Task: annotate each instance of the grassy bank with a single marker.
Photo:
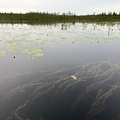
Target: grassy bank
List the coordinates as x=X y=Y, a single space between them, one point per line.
x=55 y=17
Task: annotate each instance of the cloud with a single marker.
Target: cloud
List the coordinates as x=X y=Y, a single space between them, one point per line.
x=76 y=6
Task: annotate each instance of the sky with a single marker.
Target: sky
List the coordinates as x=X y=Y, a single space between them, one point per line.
x=79 y=7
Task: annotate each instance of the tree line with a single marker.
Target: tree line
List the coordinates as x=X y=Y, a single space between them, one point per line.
x=46 y=17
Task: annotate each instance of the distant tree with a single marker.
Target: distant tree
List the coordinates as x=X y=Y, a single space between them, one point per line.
x=94 y=13
x=104 y=13
x=114 y=13
x=69 y=13
x=110 y=13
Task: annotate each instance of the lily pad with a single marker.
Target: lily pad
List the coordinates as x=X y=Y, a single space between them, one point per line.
x=14 y=51
x=2 y=53
x=35 y=52
x=39 y=54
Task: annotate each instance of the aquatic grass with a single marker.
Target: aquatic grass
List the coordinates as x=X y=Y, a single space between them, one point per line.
x=88 y=89
x=91 y=93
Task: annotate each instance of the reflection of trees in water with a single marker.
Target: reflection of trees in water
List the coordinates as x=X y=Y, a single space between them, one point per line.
x=93 y=95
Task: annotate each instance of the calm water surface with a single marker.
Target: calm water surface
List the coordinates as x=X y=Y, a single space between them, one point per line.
x=62 y=71
x=29 y=48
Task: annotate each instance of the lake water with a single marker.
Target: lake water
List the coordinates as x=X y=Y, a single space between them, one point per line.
x=62 y=71
x=28 y=48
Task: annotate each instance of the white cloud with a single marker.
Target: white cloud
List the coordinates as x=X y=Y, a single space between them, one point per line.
x=77 y=6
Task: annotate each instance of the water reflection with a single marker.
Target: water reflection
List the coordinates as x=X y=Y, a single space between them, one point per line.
x=38 y=63
x=58 y=43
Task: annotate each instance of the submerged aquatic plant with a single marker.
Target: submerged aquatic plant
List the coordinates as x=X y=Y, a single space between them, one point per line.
x=94 y=95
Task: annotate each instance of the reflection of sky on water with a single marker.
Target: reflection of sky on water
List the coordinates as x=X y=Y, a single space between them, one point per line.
x=71 y=46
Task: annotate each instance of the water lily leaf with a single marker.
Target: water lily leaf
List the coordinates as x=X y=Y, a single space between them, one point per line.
x=14 y=51
x=2 y=53
x=39 y=54
x=33 y=51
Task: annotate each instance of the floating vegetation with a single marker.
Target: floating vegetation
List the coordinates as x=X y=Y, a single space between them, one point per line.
x=27 y=39
x=38 y=54
x=58 y=95
x=35 y=52
x=13 y=51
x=3 y=53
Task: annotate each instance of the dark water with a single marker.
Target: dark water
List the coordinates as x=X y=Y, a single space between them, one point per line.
x=47 y=56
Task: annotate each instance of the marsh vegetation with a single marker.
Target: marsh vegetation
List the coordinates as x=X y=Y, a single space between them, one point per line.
x=43 y=17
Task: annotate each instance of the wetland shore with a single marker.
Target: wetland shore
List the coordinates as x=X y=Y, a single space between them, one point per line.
x=38 y=17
